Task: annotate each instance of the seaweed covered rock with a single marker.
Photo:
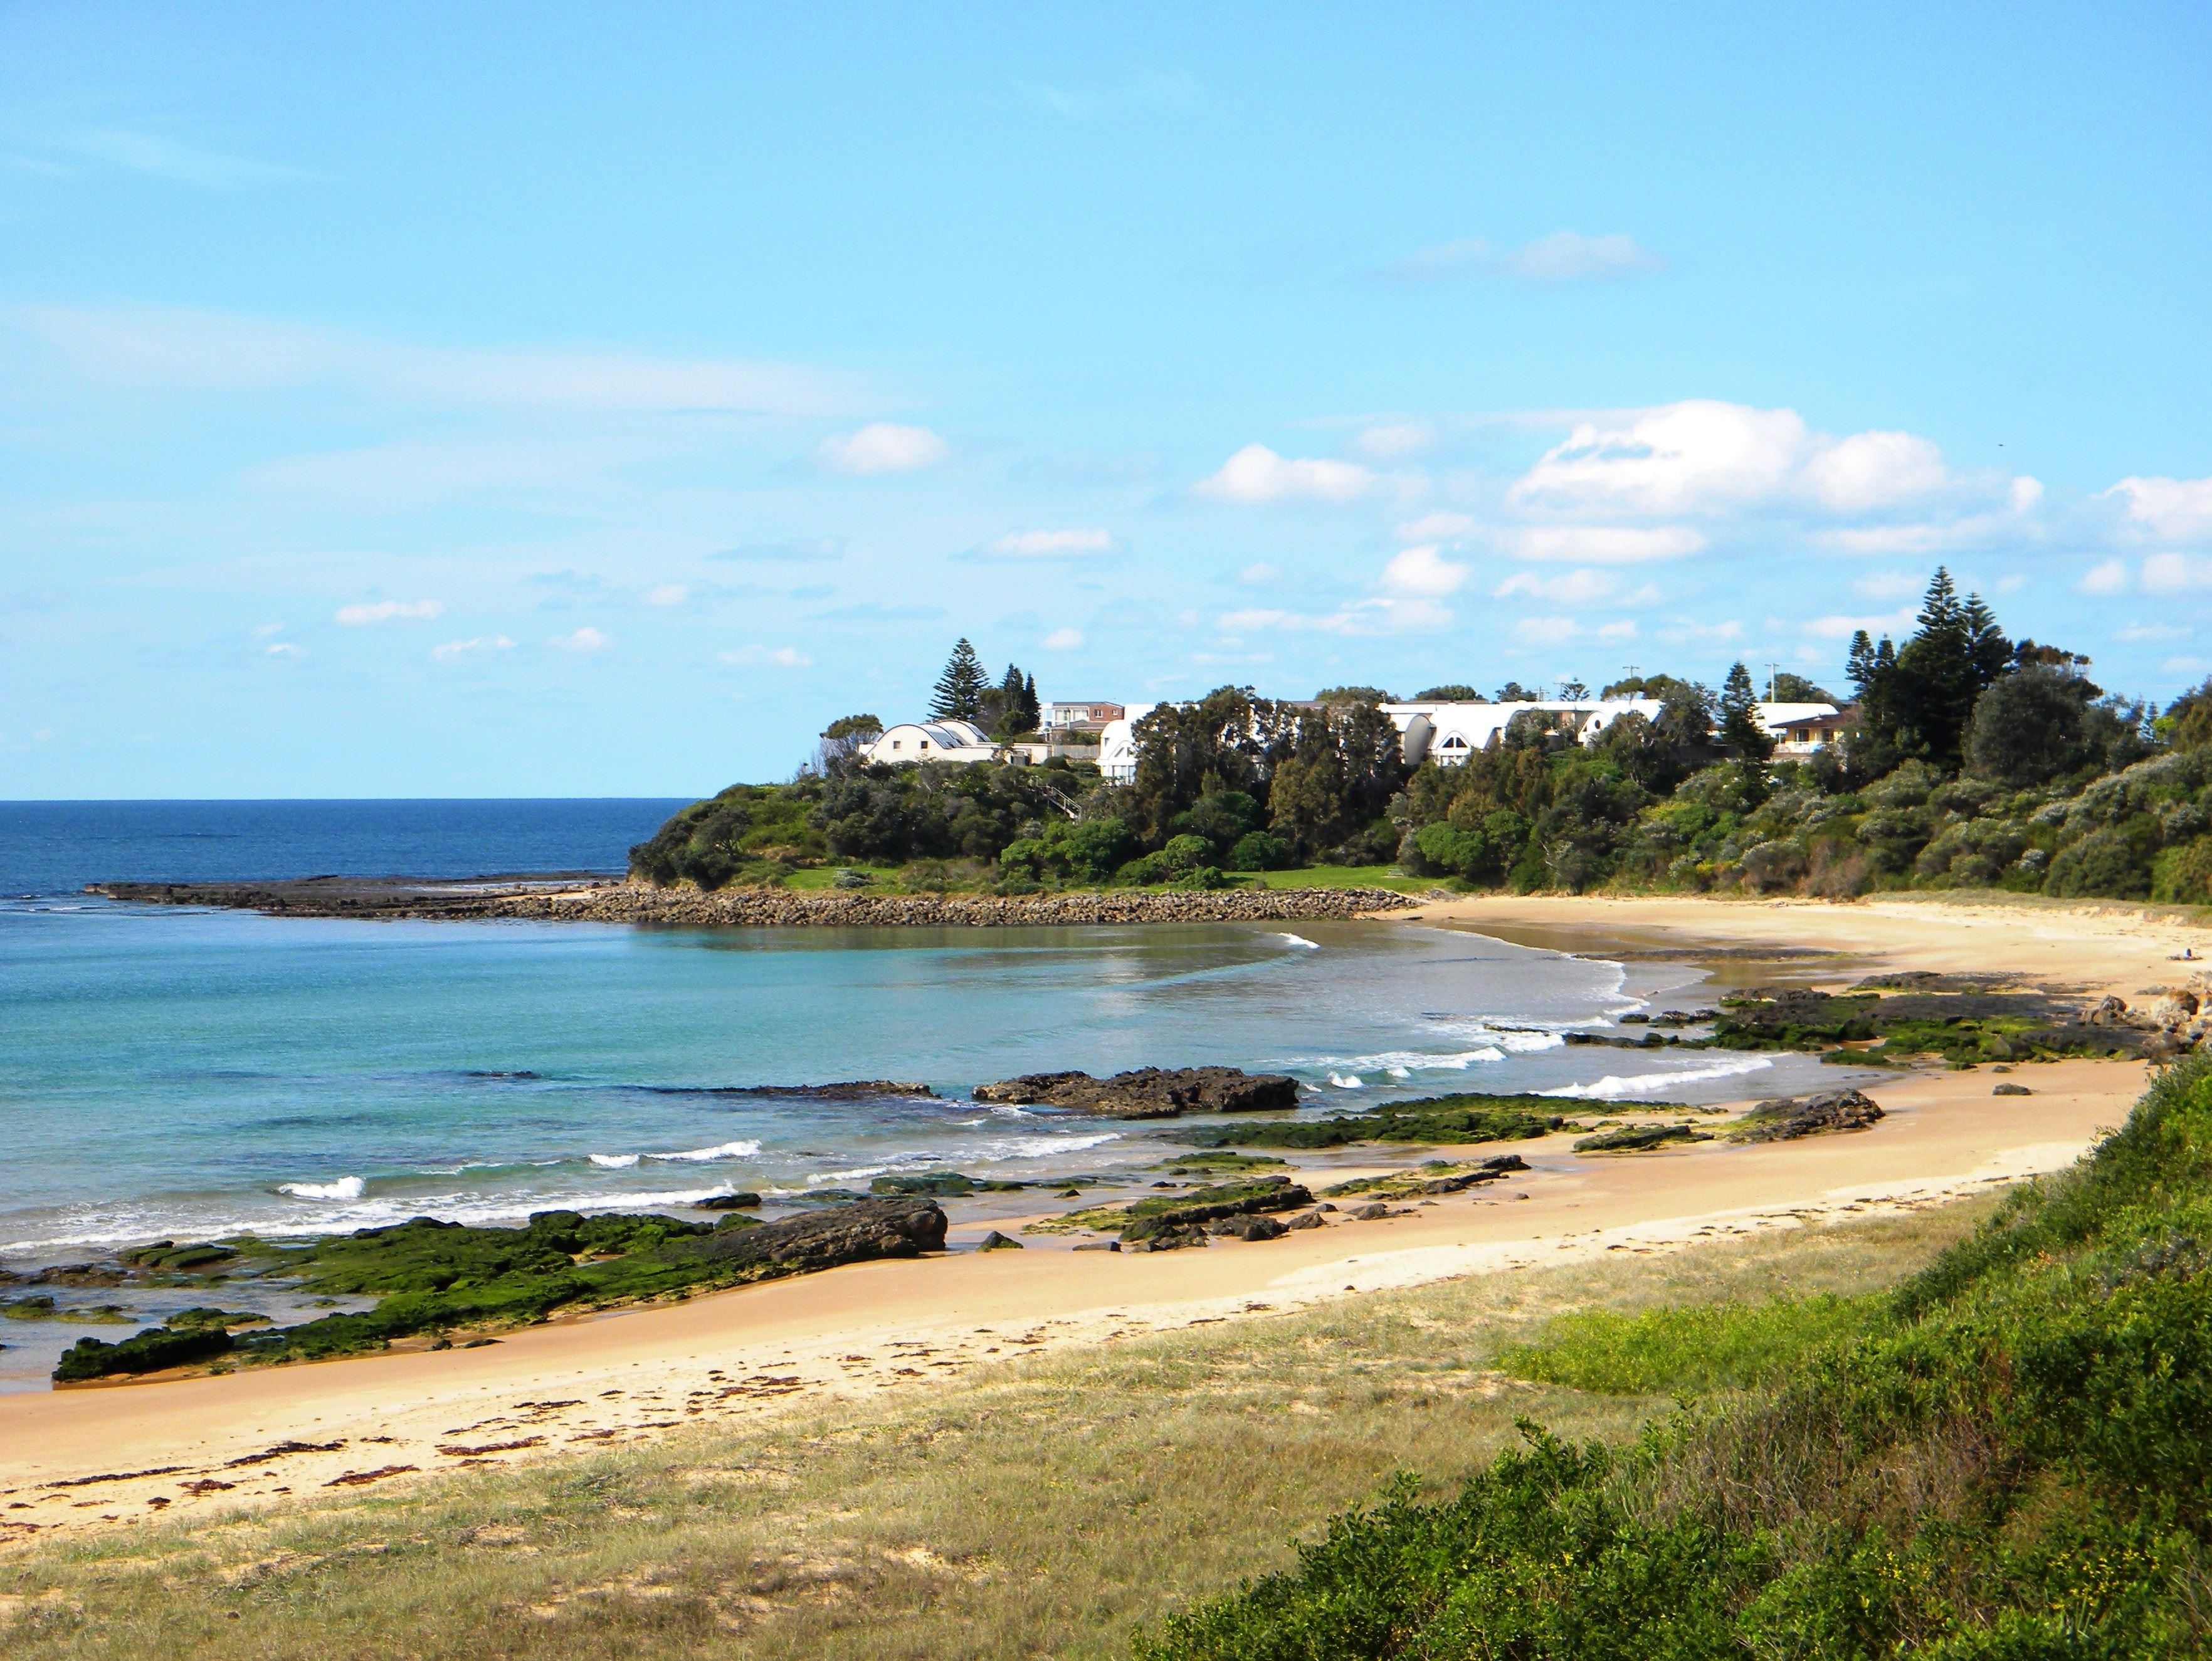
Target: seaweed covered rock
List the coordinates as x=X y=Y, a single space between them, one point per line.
x=1638 y=1139
x=860 y=1233
x=1785 y=1118
x=155 y=1350
x=1439 y=1120
x=1149 y=1092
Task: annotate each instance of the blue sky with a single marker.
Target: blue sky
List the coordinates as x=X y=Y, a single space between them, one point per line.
x=522 y=400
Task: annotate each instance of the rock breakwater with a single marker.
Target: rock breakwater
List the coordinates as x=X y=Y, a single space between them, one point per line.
x=758 y=908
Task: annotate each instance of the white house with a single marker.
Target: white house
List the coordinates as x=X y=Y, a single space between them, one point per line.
x=1117 y=744
x=912 y=741
x=1448 y=733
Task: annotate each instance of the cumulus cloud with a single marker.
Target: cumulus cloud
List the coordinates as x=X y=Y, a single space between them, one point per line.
x=2175 y=573
x=1576 y=588
x=284 y=648
x=1889 y=585
x=454 y=650
x=1256 y=474
x=1049 y=544
x=389 y=611
x=1704 y=456
x=2171 y=509
x=1561 y=257
x=1257 y=572
x=1063 y=640
x=1606 y=544
x=585 y=640
x=881 y=448
x=1421 y=571
x=2110 y=577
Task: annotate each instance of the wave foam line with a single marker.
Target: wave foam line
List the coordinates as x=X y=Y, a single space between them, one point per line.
x=345 y=1188
x=1614 y=1085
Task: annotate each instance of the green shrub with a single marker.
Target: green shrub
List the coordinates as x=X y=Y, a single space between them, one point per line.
x=1260 y=850
x=2104 y=863
x=2183 y=876
x=1684 y=1351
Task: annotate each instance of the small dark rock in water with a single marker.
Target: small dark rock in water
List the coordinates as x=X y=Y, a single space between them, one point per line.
x=2012 y=1090
x=995 y=1241
x=1786 y=1117
x=1100 y=1245
x=1150 y=1093
x=744 y=1201
x=1305 y=1220
x=1636 y=1139
x=1250 y=1228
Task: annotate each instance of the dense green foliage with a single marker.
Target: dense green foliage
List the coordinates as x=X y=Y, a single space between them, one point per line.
x=1689 y=1351
x=2011 y=1457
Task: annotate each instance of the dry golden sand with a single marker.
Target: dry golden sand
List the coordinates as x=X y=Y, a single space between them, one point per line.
x=83 y=1458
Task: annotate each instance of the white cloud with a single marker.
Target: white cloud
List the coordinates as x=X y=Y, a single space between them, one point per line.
x=2175 y=573
x=221 y=352
x=668 y=593
x=1063 y=640
x=587 y=639
x=389 y=611
x=1256 y=474
x=1839 y=628
x=1049 y=545
x=454 y=650
x=881 y=448
x=1606 y=544
x=1440 y=526
x=2110 y=577
x=2171 y=509
x=1561 y=257
x=780 y=657
x=1705 y=457
x=262 y=631
x=1623 y=629
x=1393 y=439
x=1421 y=571
x=1257 y=572
x=1875 y=470
x=284 y=648
x=2186 y=666
x=1547 y=631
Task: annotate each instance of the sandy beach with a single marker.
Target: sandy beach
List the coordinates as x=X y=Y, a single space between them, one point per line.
x=98 y=1457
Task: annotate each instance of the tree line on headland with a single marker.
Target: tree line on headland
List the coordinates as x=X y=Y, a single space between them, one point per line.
x=1977 y=761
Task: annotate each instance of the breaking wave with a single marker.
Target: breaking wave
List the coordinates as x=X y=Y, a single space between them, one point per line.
x=1614 y=1085
x=345 y=1188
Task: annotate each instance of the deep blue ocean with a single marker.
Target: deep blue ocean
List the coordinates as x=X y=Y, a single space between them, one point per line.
x=175 y=1072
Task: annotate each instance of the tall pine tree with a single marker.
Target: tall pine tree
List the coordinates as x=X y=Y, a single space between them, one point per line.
x=960 y=689
x=1740 y=734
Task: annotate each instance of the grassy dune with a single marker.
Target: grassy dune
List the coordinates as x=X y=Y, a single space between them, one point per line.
x=1051 y=1508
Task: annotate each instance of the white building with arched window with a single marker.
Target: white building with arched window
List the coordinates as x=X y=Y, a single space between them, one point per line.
x=912 y=741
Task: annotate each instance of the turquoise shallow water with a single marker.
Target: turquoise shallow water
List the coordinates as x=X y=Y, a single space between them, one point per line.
x=174 y=1072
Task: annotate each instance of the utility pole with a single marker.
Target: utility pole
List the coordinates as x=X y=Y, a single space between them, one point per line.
x=1773 y=670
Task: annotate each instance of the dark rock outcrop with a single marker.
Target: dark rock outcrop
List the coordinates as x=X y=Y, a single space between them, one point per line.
x=744 y=1201
x=1788 y=1117
x=2012 y=1090
x=1248 y=1228
x=1274 y=1194
x=995 y=1241
x=1638 y=1139
x=1149 y=1092
x=860 y=1233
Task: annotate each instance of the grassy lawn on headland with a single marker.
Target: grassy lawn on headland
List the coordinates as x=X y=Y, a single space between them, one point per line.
x=1050 y=1507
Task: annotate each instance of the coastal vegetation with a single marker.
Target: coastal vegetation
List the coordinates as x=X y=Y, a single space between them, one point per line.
x=1049 y=1504
x=2006 y=1458
x=1976 y=762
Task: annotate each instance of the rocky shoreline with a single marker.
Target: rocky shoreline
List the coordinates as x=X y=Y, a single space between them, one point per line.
x=754 y=908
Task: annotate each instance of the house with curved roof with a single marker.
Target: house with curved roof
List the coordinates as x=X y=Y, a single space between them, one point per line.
x=914 y=741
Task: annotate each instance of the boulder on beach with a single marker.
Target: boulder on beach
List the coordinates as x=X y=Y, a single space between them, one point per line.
x=1149 y=1092
x=859 y=1232
x=1785 y=1118
x=995 y=1241
x=1638 y=1139
x=2012 y=1090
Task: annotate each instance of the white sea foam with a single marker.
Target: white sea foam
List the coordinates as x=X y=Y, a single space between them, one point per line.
x=1347 y=1081
x=346 y=1188
x=1299 y=941
x=1615 y=1086
x=720 y=1151
x=1398 y=1063
x=614 y=1161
